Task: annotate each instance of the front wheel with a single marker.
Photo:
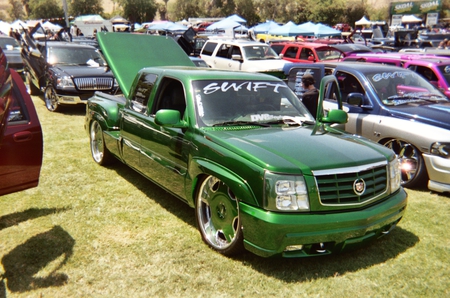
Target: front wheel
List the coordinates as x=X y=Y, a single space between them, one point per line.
x=414 y=173
x=217 y=216
x=51 y=99
x=100 y=153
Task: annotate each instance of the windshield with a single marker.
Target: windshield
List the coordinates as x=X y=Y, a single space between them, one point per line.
x=75 y=56
x=401 y=87
x=220 y=102
x=11 y=42
x=329 y=54
x=260 y=52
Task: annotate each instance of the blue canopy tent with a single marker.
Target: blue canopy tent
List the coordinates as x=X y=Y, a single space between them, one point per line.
x=290 y=29
x=265 y=27
x=226 y=24
x=168 y=26
x=322 y=30
x=236 y=18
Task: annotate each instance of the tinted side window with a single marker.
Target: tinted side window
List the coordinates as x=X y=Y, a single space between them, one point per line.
x=277 y=48
x=291 y=52
x=209 y=47
x=141 y=93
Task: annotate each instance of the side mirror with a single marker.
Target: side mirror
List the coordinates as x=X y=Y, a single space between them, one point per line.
x=311 y=58
x=169 y=118
x=236 y=57
x=335 y=116
x=355 y=99
x=281 y=55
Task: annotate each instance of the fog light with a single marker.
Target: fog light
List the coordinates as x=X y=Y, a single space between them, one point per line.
x=294 y=247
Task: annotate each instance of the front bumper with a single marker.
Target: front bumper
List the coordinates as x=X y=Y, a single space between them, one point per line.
x=73 y=99
x=302 y=235
x=438 y=169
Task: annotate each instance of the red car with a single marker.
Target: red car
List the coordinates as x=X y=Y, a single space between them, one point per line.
x=21 y=143
x=306 y=52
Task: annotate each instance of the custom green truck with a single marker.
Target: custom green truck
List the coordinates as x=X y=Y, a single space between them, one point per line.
x=240 y=148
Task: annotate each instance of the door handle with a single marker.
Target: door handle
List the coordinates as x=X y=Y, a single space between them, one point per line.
x=22 y=136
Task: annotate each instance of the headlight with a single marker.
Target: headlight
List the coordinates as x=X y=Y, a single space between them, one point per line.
x=64 y=81
x=394 y=174
x=440 y=149
x=285 y=193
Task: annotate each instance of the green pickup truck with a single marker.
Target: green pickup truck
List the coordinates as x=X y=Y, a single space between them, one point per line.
x=240 y=148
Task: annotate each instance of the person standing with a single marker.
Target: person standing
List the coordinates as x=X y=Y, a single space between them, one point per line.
x=311 y=94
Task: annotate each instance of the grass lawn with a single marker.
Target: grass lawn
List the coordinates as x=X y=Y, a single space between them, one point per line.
x=90 y=231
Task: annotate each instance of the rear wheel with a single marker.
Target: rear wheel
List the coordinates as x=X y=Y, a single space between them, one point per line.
x=100 y=153
x=51 y=99
x=414 y=173
x=217 y=217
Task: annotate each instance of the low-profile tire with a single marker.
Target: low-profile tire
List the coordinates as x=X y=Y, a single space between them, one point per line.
x=412 y=165
x=51 y=99
x=33 y=89
x=99 y=152
x=217 y=215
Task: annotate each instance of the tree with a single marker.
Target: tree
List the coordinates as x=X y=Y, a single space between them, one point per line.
x=139 y=11
x=16 y=10
x=184 y=9
x=328 y=12
x=85 y=7
x=355 y=11
x=46 y=9
x=246 y=9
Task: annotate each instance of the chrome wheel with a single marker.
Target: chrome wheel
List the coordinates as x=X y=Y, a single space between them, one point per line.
x=99 y=152
x=217 y=216
x=411 y=163
x=51 y=99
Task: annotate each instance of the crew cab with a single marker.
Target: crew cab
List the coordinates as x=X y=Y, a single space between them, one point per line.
x=395 y=107
x=306 y=52
x=68 y=73
x=21 y=143
x=240 y=148
x=435 y=69
x=242 y=55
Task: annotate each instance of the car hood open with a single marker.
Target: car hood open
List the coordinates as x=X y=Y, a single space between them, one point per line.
x=126 y=54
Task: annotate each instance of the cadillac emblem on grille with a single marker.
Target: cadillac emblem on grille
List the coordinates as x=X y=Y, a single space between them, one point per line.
x=359 y=186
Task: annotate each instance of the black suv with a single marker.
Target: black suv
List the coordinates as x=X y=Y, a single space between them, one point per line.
x=68 y=73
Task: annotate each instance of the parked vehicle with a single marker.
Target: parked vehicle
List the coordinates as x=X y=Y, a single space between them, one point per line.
x=68 y=73
x=306 y=52
x=12 y=50
x=242 y=55
x=21 y=143
x=433 y=68
x=395 y=107
x=244 y=152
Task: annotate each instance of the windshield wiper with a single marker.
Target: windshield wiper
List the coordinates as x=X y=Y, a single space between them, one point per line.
x=241 y=123
x=407 y=98
x=291 y=121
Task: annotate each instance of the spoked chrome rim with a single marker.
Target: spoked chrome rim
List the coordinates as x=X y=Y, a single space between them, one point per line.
x=97 y=145
x=218 y=214
x=408 y=157
x=50 y=99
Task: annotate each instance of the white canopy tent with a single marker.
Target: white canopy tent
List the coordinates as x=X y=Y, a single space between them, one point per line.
x=411 y=19
x=363 y=22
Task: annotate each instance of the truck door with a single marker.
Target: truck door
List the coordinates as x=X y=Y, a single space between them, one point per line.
x=164 y=157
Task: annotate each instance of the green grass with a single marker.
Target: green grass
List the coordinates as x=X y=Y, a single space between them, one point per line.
x=90 y=231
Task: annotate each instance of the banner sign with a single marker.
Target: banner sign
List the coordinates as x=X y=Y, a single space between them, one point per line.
x=415 y=7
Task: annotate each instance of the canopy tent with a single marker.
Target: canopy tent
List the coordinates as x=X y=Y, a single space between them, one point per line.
x=50 y=26
x=236 y=18
x=119 y=19
x=18 y=24
x=363 y=22
x=168 y=26
x=290 y=29
x=322 y=30
x=226 y=24
x=308 y=26
x=411 y=19
x=5 y=27
x=265 y=27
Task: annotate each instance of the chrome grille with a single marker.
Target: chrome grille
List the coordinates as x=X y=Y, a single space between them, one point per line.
x=338 y=188
x=94 y=83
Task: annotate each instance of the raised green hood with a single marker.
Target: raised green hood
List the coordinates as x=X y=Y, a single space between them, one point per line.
x=126 y=54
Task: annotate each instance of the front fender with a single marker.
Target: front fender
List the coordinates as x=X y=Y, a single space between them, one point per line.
x=105 y=111
x=237 y=184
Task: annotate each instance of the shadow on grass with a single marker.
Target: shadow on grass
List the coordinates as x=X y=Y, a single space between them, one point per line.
x=158 y=194
x=305 y=269
x=13 y=219
x=22 y=265
x=69 y=110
